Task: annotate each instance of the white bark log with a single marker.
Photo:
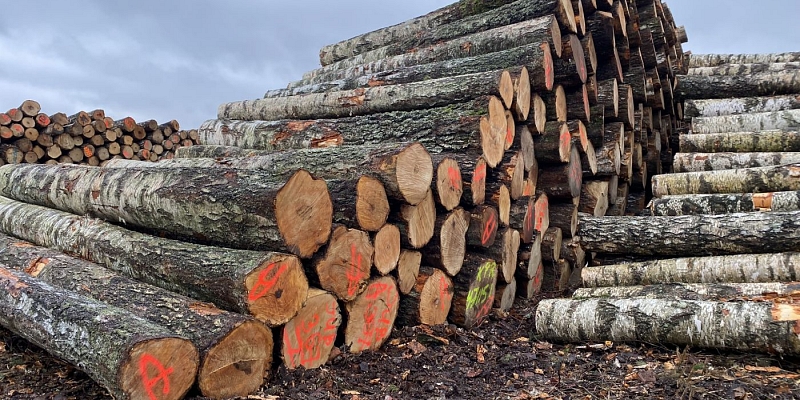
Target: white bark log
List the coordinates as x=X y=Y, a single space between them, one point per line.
x=714 y=60
x=777 y=120
x=744 y=105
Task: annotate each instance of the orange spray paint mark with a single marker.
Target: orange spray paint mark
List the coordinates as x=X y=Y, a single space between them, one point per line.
x=264 y=285
x=148 y=362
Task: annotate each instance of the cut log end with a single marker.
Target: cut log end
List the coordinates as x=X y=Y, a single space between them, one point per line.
x=539 y=110
x=387 y=249
x=304 y=213
x=483 y=227
x=420 y=220
x=372 y=204
x=276 y=289
x=345 y=268
x=472 y=304
x=449 y=184
x=235 y=366
x=522 y=95
x=414 y=173
x=408 y=270
x=452 y=240
x=506 y=88
x=494 y=129
x=436 y=297
x=162 y=367
x=310 y=336
x=371 y=316
x=478 y=182
x=504 y=296
x=510 y=249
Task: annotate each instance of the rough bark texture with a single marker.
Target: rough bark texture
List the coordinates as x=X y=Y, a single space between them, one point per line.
x=565 y=217
x=594 y=198
x=710 y=234
x=474 y=291
x=741 y=142
x=740 y=326
x=310 y=336
x=748 y=180
x=270 y=286
x=556 y=276
x=739 y=268
x=746 y=105
x=744 y=69
x=724 y=203
x=429 y=300
x=719 y=87
x=212 y=151
x=776 y=120
x=448 y=246
x=562 y=182
x=370 y=317
x=129 y=356
x=483 y=224
x=715 y=60
x=504 y=252
x=697 y=291
x=698 y=162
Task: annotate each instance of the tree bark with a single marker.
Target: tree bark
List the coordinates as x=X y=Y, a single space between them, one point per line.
x=429 y=300
x=129 y=356
x=744 y=69
x=387 y=249
x=725 y=203
x=474 y=291
x=310 y=336
x=237 y=280
x=408 y=270
x=371 y=316
x=562 y=182
x=715 y=60
x=711 y=234
x=698 y=162
x=213 y=151
x=741 y=142
x=556 y=276
x=777 y=120
x=748 y=180
x=565 y=217
x=594 y=198
x=719 y=87
x=482 y=229
x=551 y=245
x=449 y=245
x=504 y=252
x=554 y=145
x=747 y=105
x=529 y=288
x=697 y=291
x=721 y=325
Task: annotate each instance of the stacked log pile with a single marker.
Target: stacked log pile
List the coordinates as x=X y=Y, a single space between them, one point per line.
x=730 y=211
x=29 y=136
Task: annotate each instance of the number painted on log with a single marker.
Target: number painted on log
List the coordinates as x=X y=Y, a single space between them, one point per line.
x=147 y=363
x=354 y=273
x=265 y=283
x=377 y=327
x=311 y=338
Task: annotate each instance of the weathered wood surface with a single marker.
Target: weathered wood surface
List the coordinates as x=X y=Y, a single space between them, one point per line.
x=408 y=269
x=237 y=280
x=741 y=142
x=697 y=162
x=739 y=268
x=474 y=291
x=747 y=180
x=718 y=87
x=449 y=244
x=212 y=151
x=715 y=60
x=345 y=265
x=741 y=233
x=748 y=326
x=745 y=105
x=129 y=356
x=697 y=291
x=744 y=69
x=693 y=204
x=756 y=122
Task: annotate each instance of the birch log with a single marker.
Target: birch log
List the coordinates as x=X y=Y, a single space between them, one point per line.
x=698 y=162
x=748 y=180
x=715 y=60
x=744 y=69
x=724 y=203
x=741 y=142
x=746 y=105
x=776 y=120
x=718 y=87
x=698 y=291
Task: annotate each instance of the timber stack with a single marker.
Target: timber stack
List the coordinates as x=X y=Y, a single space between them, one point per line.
x=428 y=172
x=714 y=260
x=30 y=136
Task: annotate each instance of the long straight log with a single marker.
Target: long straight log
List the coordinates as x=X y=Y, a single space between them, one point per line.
x=761 y=326
x=237 y=280
x=725 y=203
x=776 y=120
x=698 y=291
x=715 y=60
x=718 y=87
x=746 y=180
x=746 y=105
x=129 y=356
x=711 y=234
x=744 y=69
x=696 y=162
x=741 y=142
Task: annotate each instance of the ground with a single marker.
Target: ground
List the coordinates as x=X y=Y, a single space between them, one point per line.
x=502 y=359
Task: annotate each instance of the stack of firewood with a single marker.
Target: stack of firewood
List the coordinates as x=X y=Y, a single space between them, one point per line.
x=730 y=210
x=29 y=136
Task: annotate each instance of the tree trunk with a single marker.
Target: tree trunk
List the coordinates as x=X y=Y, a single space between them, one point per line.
x=213 y=151
x=739 y=268
x=231 y=200
x=483 y=225
x=448 y=247
x=556 y=276
x=344 y=267
x=505 y=294
x=694 y=204
x=608 y=159
x=235 y=351
x=510 y=173
x=429 y=300
x=417 y=222
x=370 y=317
x=778 y=120
x=448 y=186
x=744 y=69
x=310 y=336
x=474 y=291
x=522 y=218
x=608 y=97
x=553 y=146
x=565 y=217
x=594 y=198
x=748 y=180
x=408 y=270
x=387 y=249
x=572 y=251
x=715 y=60
x=504 y=252
x=747 y=105
x=697 y=291
x=237 y=280
x=129 y=356
x=529 y=288
x=721 y=325
x=719 y=87
x=741 y=142
x=698 y=162
x=562 y=182
x=711 y=234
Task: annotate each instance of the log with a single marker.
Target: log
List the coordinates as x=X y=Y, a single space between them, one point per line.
x=718 y=87
x=129 y=356
x=521 y=106
x=744 y=69
x=594 y=198
x=310 y=336
x=537 y=118
x=741 y=142
x=565 y=217
x=746 y=105
x=554 y=145
x=698 y=291
x=417 y=222
x=267 y=212
x=572 y=251
x=697 y=162
x=244 y=281
x=776 y=120
x=509 y=173
x=608 y=160
x=371 y=316
x=429 y=300
x=408 y=270
x=529 y=288
x=556 y=276
x=551 y=245
x=608 y=97
x=504 y=295
x=387 y=249
x=715 y=60
x=447 y=182
x=724 y=203
x=761 y=326
x=739 y=268
x=504 y=252
x=712 y=234
x=562 y=182
x=482 y=227
x=746 y=180
x=474 y=291
x=344 y=267
x=30 y=108
x=235 y=351
x=448 y=246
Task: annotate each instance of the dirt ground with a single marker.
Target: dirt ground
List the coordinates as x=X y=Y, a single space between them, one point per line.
x=502 y=359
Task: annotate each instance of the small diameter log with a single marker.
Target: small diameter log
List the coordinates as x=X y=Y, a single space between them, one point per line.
x=774 y=120
x=344 y=269
x=505 y=294
x=310 y=336
x=447 y=185
x=553 y=146
x=371 y=316
x=387 y=249
x=529 y=288
x=565 y=217
x=30 y=108
x=741 y=142
x=474 y=170
x=698 y=291
x=718 y=87
x=608 y=97
x=270 y=286
x=474 y=291
x=711 y=234
x=716 y=60
x=697 y=162
x=747 y=180
x=524 y=141
x=538 y=114
x=594 y=198
x=555 y=105
x=417 y=222
x=551 y=245
x=608 y=159
x=129 y=356
x=749 y=326
x=235 y=351
x=739 y=268
x=429 y=300
x=447 y=249
x=724 y=203
x=556 y=276
x=521 y=105
x=509 y=173
x=408 y=269
x=562 y=182
x=504 y=252
x=502 y=202
x=483 y=225
x=746 y=105
x=572 y=251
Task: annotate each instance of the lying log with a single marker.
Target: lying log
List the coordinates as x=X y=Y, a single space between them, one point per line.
x=594 y=198
x=551 y=245
x=697 y=162
x=694 y=204
x=212 y=151
x=718 y=87
x=267 y=211
x=129 y=356
x=504 y=295
x=529 y=288
x=474 y=291
x=482 y=227
x=739 y=268
x=715 y=60
x=556 y=276
x=711 y=234
x=371 y=316
x=448 y=185
x=310 y=336
x=554 y=145
x=747 y=180
x=417 y=222
x=387 y=249
x=748 y=326
x=429 y=300
x=504 y=252
x=697 y=291
x=776 y=120
x=744 y=69
x=565 y=217
x=344 y=267
x=244 y=281
x=746 y=105
x=227 y=342
x=449 y=244
x=408 y=270
x=562 y=182
x=741 y=142
x=572 y=251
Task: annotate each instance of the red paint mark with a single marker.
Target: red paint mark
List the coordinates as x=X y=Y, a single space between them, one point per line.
x=510 y=136
x=488 y=229
x=264 y=285
x=540 y=214
x=445 y=295
x=528 y=220
x=376 y=328
x=354 y=274
x=480 y=173
x=310 y=341
x=484 y=311
x=565 y=139
x=548 y=66
x=162 y=375
x=455 y=177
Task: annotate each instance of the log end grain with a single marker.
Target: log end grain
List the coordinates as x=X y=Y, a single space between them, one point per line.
x=522 y=95
x=310 y=336
x=147 y=374
x=372 y=204
x=276 y=289
x=235 y=366
x=420 y=220
x=436 y=297
x=408 y=270
x=387 y=249
x=414 y=173
x=449 y=184
x=494 y=129
x=304 y=213
x=371 y=316
x=506 y=88
x=345 y=268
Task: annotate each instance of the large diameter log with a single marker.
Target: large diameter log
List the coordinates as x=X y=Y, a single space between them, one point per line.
x=724 y=203
x=235 y=351
x=711 y=234
x=718 y=87
x=697 y=291
x=309 y=337
x=270 y=286
x=777 y=120
x=761 y=326
x=448 y=185
x=448 y=246
x=697 y=162
x=744 y=69
x=474 y=291
x=371 y=316
x=747 y=180
x=129 y=356
x=715 y=60
x=739 y=268
x=741 y=142
x=429 y=300
x=344 y=268
x=266 y=211
x=746 y=105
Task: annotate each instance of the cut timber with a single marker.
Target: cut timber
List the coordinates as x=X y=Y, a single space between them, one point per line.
x=309 y=337
x=417 y=222
x=741 y=142
x=747 y=180
x=556 y=276
x=372 y=204
x=739 y=268
x=483 y=225
x=429 y=300
x=505 y=294
x=776 y=120
x=266 y=211
x=562 y=182
x=746 y=105
x=521 y=104
x=212 y=151
x=529 y=288
x=698 y=291
x=270 y=286
x=344 y=269
x=502 y=201
x=504 y=252
x=715 y=60
x=697 y=162
x=235 y=351
x=474 y=291
x=572 y=251
x=608 y=160
x=551 y=245
x=744 y=69
x=510 y=173
x=741 y=233
x=408 y=269
x=387 y=249
x=554 y=145
x=719 y=87
x=694 y=204
x=529 y=261
x=594 y=198
x=129 y=356
x=565 y=217
x=370 y=317
x=746 y=326
x=448 y=186
x=447 y=249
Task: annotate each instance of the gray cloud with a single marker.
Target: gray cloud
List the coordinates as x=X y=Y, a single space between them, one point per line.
x=181 y=59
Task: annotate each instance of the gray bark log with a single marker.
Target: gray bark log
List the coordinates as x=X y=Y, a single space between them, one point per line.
x=725 y=203
x=744 y=69
x=718 y=87
x=695 y=291
x=715 y=60
x=745 y=105
x=741 y=142
x=747 y=180
x=767 y=121
x=696 y=162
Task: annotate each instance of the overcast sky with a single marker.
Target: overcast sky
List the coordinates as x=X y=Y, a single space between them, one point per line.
x=180 y=59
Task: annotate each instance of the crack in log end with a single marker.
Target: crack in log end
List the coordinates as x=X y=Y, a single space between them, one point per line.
x=11 y=282
x=330 y=139
x=787 y=312
x=205 y=309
